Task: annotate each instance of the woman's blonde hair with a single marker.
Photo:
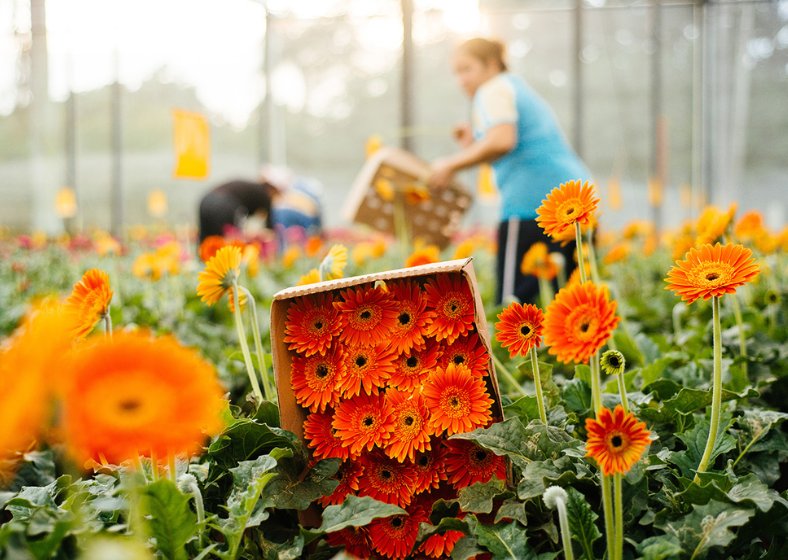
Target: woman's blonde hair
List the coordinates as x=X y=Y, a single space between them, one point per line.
x=486 y=50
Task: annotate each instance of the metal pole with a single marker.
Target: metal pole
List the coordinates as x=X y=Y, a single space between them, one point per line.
x=708 y=141
x=406 y=94
x=116 y=194
x=658 y=152
x=266 y=109
x=71 y=134
x=578 y=75
x=697 y=112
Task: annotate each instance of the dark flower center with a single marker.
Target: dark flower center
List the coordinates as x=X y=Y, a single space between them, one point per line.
x=404 y=319
x=396 y=522
x=423 y=461
x=130 y=405
x=454 y=401
x=321 y=371
x=386 y=474
x=365 y=314
x=584 y=327
x=412 y=362
x=570 y=211
x=712 y=276
x=614 y=362
x=481 y=455
x=409 y=420
x=318 y=325
x=454 y=307
x=459 y=359
x=525 y=330
x=616 y=441
x=368 y=421
x=361 y=361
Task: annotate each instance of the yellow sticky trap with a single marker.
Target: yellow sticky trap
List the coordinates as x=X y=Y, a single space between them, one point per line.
x=157 y=203
x=654 y=192
x=66 y=203
x=485 y=186
x=615 y=200
x=192 y=143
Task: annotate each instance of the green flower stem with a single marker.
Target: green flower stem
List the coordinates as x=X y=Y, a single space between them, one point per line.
x=258 y=345
x=401 y=227
x=154 y=465
x=580 y=261
x=173 y=468
x=619 y=523
x=592 y=257
x=108 y=324
x=538 y=383
x=622 y=390
x=138 y=466
x=239 y=325
x=716 y=395
x=596 y=383
x=194 y=490
x=607 y=505
x=742 y=338
x=545 y=292
x=566 y=535
x=509 y=377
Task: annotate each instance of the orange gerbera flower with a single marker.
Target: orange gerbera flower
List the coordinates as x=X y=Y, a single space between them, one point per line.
x=410 y=425
x=312 y=322
x=578 y=322
x=395 y=536
x=457 y=400
x=88 y=302
x=313 y=246
x=440 y=546
x=712 y=271
x=538 y=262
x=386 y=479
x=321 y=436
x=450 y=297
x=410 y=371
x=428 y=255
x=366 y=315
x=209 y=246
x=430 y=467
x=749 y=226
x=348 y=475
x=469 y=352
x=135 y=394
x=28 y=360
x=616 y=440
x=412 y=316
x=356 y=540
x=219 y=274
x=364 y=422
x=566 y=205
x=367 y=368
x=617 y=253
x=314 y=379
x=467 y=463
x=519 y=328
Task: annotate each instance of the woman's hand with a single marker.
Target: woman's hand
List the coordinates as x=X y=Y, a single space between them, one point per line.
x=463 y=134
x=442 y=173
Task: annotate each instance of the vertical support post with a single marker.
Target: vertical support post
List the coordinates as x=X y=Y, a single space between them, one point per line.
x=697 y=111
x=116 y=194
x=578 y=79
x=708 y=142
x=266 y=108
x=658 y=136
x=406 y=93
x=71 y=128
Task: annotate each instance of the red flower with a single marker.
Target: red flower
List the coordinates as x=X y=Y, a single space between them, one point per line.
x=410 y=425
x=395 y=536
x=367 y=315
x=348 y=475
x=450 y=297
x=315 y=379
x=311 y=323
x=458 y=402
x=356 y=540
x=364 y=422
x=412 y=316
x=439 y=546
x=410 y=372
x=321 y=436
x=367 y=368
x=469 y=352
x=386 y=479
x=468 y=463
x=430 y=467
x=519 y=328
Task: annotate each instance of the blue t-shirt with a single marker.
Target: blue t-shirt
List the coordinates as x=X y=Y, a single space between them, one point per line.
x=542 y=158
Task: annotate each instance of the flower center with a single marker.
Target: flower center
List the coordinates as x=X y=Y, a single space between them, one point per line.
x=318 y=325
x=396 y=522
x=369 y=421
x=583 y=323
x=525 y=330
x=459 y=359
x=129 y=405
x=404 y=319
x=616 y=441
x=456 y=405
x=423 y=461
x=361 y=361
x=409 y=420
x=412 y=362
x=568 y=211
x=452 y=306
x=614 y=363
x=481 y=456
x=710 y=274
x=386 y=475
x=321 y=371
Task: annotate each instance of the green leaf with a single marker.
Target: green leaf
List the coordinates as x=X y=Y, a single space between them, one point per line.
x=268 y=413
x=506 y=541
x=659 y=548
x=288 y=491
x=167 y=518
x=582 y=522
x=478 y=497
x=627 y=347
x=247 y=439
x=525 y=408
x=445 y=524
x=651 y=372
x=534 y=475
x=44 y=548
x=696 y=439
x=355 y=512
x=577 y=395
x=512 y=509
x=583 y=373
x=706 y=526
x=467 y=547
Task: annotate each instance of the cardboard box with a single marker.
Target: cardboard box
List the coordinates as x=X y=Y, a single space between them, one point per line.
x=393 y=178
x=291 y=413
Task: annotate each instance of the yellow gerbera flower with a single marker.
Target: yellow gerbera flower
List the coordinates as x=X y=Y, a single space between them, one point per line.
x=220 y=272
x=334 y=263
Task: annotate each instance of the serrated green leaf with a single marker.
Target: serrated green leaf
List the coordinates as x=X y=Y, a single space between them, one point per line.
x=478 y=497
x=582 y=522
x=659 y=548
x=532 y=484
x=512 y=509
x=583 y=373
x=577 y=395
x=651 y=372
x=698 y=436
x=167 y=518
x=465 y=548
x=288 y=491
x=525 y=408
x=445 y=524
x=706 y=526
x=627 y=347
x=247 y=439
x=506 y=541
x=355 y=512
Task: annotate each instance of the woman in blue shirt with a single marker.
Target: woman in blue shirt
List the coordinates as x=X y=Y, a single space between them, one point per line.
x=516 y=131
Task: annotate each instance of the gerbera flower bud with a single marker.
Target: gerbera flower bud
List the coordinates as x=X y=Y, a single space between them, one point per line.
x=552 y=494
x=616 y=440
x=613 y=362
x=711 y=271
x=771 y=297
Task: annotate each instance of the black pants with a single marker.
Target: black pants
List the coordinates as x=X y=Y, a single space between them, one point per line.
x=528 y=232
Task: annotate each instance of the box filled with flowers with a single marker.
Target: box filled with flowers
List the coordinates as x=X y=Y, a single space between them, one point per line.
x=380 y=371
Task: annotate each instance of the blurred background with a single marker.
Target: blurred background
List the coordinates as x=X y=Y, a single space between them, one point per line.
x=672 y=104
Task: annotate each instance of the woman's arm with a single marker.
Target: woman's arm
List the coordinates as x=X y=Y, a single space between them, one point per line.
x=499 y=141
